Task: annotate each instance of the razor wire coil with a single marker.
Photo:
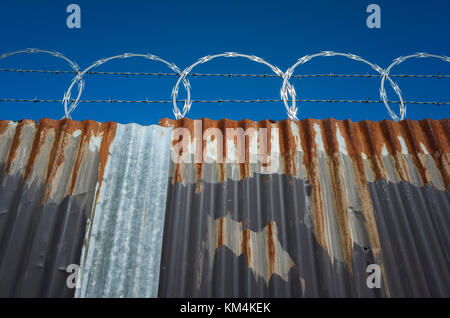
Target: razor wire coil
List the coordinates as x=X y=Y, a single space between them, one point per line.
x=287 y=92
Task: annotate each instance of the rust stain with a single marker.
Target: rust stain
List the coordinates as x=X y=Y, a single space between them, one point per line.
x=109 y=132
x=39 y=140
x=372 y=146
x=328 y=129
x=392 y=133
x=246 y=244
x=266 y=241
x=264 y=153
x=271 y=252
x=438 y=144
x=222 y=125
x=366 y=143
x=353 y=140
x=412 y=143
x=310 y=162
x=220 y=232
x=15 y=143
x=3 y=126
x=62 y=131
x=287 y=147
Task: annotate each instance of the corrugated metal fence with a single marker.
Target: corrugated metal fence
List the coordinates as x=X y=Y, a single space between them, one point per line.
x=308 y=210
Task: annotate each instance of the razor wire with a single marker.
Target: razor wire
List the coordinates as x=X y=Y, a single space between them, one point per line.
x=286 y=91
x=187 y=70
x=354 y=57
x=79 y=77
x=74 y=65
x=397 y=61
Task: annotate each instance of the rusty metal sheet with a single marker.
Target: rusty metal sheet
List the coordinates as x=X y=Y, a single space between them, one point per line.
x=335 y=197
x=48 y=172
x=326 y=199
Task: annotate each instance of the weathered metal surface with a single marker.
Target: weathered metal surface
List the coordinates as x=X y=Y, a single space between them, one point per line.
x=302 y=216
x=48 y=172
x=335 y=197
x=121 y=255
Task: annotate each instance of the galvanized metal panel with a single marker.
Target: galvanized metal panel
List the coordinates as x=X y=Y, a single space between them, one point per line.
x=121 y=255
x=49 y=173
x=336 y=197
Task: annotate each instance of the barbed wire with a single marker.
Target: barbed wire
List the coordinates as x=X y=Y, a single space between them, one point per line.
x=74 y=65
x=225 y=74
x=287 y=90
x=397 y=61
x=207 y=58
x=306 y=58
x=221 y=101
x=79 y=77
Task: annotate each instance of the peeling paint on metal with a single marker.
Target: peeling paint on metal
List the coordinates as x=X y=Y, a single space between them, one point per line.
x=266 y=261
x=338 y=162
x=48 y=179
x=310 y=206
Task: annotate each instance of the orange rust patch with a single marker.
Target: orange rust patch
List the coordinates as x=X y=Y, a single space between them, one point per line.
x=64 y=130
x=328 y=129
x=271 y=248
x=354 y=142
x=366 y=137
x=109 y=132
x=15 y=143
x=220 y=232
x=372 y=146
x=3 y=126
x=438 y=144
x=414 y=149
x=43 y=128
x=308 y=144
x=246 y=249
x=287 y=146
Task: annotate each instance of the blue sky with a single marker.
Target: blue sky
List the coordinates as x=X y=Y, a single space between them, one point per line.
x=182 y=31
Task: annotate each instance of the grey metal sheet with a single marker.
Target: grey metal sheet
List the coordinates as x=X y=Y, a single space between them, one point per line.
x=48 y=175
x=340 y=196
